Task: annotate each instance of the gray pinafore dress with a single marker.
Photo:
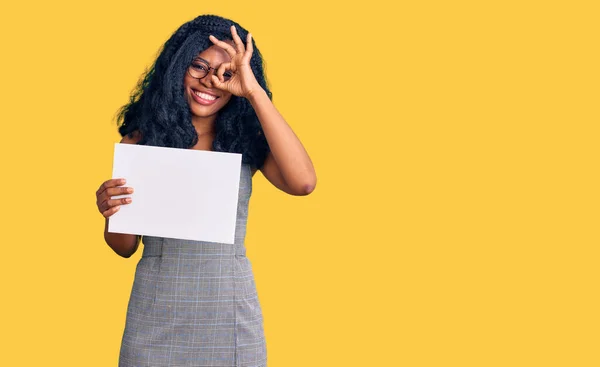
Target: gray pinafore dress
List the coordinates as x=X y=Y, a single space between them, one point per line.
x=195 y=303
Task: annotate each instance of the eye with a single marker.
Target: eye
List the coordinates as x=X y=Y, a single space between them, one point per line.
x=200 y=67
x=227 y=75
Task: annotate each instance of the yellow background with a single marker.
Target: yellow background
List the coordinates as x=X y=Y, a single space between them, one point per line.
x=455 y=220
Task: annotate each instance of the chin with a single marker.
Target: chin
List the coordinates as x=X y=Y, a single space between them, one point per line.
x=197 y=113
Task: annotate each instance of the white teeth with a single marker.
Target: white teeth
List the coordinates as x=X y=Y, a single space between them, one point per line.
x=208 y=97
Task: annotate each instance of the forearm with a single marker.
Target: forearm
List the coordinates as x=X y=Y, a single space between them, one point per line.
x=287 y=150
x=124 y=245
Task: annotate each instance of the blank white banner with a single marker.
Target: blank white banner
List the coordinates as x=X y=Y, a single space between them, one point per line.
x=178 y=193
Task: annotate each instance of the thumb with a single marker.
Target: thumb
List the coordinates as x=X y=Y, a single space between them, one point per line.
x=217 y=83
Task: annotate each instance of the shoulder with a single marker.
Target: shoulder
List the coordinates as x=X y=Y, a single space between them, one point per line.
x=132 y=138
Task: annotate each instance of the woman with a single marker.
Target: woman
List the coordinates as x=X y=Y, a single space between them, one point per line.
x=194 y=303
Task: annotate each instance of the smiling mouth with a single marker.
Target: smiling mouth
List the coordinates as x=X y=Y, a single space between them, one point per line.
x=204 y=98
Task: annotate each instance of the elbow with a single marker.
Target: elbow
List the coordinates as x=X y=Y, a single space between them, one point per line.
x=127 y=255
x=124 y=254
x=307 y=187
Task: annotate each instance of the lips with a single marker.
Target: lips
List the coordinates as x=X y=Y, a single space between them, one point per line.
x=204 y=98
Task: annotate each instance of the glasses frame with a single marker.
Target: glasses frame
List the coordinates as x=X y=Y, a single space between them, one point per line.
x=207 y=65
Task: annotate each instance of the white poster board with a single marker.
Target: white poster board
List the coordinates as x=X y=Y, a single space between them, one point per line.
x=178 y=193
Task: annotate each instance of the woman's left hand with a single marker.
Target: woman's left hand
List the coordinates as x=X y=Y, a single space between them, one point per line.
x=242 y=82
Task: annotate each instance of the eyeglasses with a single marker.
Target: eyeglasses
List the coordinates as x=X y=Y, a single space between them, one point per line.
x=200 y=69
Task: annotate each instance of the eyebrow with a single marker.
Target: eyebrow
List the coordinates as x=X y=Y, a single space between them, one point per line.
x=201 y=59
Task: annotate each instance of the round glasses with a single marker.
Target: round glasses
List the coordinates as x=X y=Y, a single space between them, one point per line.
x=200 y=69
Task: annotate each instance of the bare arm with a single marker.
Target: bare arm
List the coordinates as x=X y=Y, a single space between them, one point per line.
x=288 y=166
x=124 y=245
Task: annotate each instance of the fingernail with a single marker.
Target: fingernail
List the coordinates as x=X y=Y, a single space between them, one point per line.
x=130 y=190
x=128 y=200
x=122 y=181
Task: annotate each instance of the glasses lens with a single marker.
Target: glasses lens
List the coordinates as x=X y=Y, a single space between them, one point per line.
x=198 y=70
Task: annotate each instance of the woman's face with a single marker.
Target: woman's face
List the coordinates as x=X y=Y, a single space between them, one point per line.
x=205 y=100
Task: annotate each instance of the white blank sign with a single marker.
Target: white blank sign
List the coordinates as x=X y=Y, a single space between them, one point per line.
x=178 y=193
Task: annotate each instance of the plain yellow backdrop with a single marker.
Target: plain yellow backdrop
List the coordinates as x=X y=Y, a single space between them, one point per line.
x=455 y=220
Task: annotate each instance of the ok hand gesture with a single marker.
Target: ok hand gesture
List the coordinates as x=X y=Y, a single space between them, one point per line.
x=242 y=82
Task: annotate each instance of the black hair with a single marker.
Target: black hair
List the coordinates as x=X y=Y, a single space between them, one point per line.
x=158 y=110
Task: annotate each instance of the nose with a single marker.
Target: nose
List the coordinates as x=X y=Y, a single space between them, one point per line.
x=207 y=80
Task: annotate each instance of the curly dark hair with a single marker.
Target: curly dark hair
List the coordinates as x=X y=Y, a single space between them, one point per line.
x=158 y=110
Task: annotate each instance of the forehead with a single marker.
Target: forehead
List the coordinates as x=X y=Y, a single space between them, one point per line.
x=215 y=55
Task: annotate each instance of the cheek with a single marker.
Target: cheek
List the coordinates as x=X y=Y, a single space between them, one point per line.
x=186 y=81
x=226 y=99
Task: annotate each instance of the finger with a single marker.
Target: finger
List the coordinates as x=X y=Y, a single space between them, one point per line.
x=217 y=83
x=224 y=45
x=119 y=191
x=113 y=191
x=239 y=45
x=249 y=49
x=111 y=211
x=110 y=183
x=222 y=69
x=118 y=202
x=114 y=202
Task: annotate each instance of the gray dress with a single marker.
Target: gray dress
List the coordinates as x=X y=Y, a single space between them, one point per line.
x=195 y=303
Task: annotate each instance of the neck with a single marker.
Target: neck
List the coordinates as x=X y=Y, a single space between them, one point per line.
x=204 y=125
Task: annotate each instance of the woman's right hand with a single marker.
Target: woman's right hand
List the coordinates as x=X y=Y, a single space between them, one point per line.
x=108 y=189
